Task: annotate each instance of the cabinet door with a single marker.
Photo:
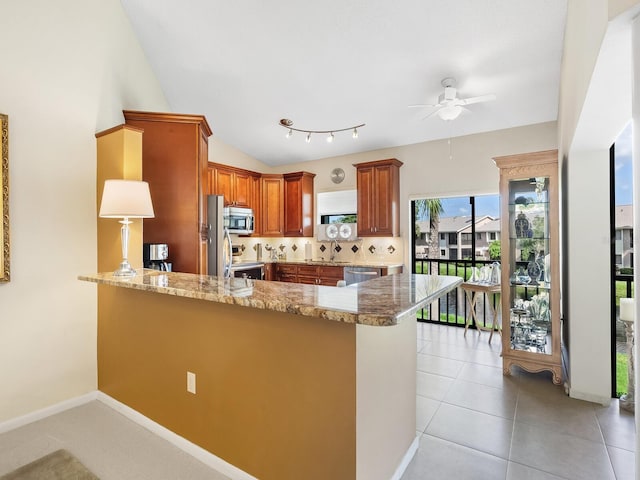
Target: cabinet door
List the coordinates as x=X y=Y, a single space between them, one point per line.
x=243 y=183
x=293 y=210
x=328 y=275
x=383 y=207
x=272 y=210
x=223 y=185
x=365 y=201
x=256 y=195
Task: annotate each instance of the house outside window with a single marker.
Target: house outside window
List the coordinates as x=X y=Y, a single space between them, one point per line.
x=442 y=236
x=466 y=253
x=492 y=236
x=452 y=239
x=443 y=253
x=465 y=238
x=478 y=236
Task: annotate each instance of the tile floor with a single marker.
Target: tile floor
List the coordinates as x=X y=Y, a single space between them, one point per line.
x=477 y=424
x=474 y=424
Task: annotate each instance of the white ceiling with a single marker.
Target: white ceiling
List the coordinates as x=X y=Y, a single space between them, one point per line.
x=332 y=64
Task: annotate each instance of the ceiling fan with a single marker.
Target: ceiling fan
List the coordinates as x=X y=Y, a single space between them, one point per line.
x=449 y=106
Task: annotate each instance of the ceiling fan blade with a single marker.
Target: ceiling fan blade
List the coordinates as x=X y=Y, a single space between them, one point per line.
x=481 y=98
x=421 y=105
x=431 y=114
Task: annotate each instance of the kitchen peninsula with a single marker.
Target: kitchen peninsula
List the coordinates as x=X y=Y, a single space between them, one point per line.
x=293 y=381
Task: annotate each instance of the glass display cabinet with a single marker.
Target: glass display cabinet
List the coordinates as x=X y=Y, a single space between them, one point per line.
x=529 y=223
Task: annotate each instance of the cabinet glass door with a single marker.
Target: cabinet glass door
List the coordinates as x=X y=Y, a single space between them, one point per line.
x=529 y=265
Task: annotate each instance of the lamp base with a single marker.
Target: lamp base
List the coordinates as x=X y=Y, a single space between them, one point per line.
x=125 y=270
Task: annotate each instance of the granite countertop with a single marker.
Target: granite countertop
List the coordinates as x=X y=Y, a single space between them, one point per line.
x=382 y=301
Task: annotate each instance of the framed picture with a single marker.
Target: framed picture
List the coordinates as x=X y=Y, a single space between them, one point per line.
x=4 y=198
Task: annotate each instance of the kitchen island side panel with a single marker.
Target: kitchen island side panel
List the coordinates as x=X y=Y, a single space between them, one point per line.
x=275 y=392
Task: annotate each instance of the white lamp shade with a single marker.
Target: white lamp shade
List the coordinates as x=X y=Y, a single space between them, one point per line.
x=627 y=309
x=126 y=198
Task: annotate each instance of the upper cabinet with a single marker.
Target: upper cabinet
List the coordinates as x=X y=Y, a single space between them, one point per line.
x=298 y=201
x=272 y=207
x=235 y=184
x=531 y=336
x=174 y=162
x=379 y=198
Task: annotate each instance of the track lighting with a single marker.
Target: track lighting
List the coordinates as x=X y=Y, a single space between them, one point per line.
x=286 y=123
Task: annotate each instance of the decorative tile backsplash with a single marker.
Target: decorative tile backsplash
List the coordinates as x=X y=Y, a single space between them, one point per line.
x=378 y=249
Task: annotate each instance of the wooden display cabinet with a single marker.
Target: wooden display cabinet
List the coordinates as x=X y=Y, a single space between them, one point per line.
x=531 y=333
x=379 y=198
x=298 y=202
x=174 y=162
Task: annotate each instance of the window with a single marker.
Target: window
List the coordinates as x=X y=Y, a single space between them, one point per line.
x=452 y=239
x=492 y=236
x=631 y=238
x=618 y=259
x=341 y=218
x=443 y=252
x=466 y=238
x=466 y=253
x=618 y=234
x=478 y=236
x=442 y=236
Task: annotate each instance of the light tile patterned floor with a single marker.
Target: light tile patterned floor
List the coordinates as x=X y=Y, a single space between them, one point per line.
x=474 y=423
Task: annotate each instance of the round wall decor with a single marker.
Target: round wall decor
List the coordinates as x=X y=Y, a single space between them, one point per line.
x=337 y=175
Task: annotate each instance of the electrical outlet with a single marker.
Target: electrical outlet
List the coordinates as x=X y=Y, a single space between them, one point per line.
x=191 y=382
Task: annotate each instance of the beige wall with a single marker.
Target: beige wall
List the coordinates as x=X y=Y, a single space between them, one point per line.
x=68 y=69
x=429 y=172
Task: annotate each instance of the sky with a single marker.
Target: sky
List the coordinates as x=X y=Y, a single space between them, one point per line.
x=623 y=168
x=490 y=204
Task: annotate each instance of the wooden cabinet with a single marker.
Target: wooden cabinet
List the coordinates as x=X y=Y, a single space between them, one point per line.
x=272 y=205
x=174 y=162
x=298 y=203
x=235 y=184
x=379 y=198
x=309 y=274
x=531 y=337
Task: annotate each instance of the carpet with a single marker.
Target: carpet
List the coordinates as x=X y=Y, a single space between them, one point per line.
x=59 y=465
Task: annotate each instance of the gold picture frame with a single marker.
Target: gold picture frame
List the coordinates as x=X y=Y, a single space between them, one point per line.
x=4 y=198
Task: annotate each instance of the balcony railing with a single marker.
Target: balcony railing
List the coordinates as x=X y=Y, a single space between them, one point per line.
x=452 y=309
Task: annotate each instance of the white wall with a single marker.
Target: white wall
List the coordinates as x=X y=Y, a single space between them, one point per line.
x=68 y=69
x=595 y=105
x=429 y=172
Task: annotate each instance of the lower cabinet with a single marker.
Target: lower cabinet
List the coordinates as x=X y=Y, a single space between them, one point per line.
x=309 y=274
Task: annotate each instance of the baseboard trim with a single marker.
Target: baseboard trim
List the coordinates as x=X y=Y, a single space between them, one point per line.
x=404 y=463
x=47 y=411
x=182 y=443
x=605 y=401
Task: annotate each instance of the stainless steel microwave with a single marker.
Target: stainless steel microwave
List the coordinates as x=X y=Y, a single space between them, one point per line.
x=239 y=220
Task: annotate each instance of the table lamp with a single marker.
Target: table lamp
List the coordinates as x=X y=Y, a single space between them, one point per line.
x=125 y=199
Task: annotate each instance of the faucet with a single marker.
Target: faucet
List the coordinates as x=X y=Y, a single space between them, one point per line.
x=332 y=246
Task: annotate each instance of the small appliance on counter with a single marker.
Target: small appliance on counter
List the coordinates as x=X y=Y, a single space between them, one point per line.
x=155 y=256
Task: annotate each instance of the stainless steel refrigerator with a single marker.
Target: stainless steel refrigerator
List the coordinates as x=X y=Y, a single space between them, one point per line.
x=219 y=241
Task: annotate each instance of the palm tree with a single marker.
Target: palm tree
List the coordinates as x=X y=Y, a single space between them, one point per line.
x=433 y=208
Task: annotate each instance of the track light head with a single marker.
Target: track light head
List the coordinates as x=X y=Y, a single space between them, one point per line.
x=330 y=137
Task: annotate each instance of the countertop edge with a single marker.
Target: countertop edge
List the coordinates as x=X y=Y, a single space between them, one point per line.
x=202 y=287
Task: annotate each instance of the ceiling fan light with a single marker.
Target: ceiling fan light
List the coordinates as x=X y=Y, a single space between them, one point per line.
x=289 y=133
x=330 y=137
x=308 y=139
x=355 y=133
x=450 y=112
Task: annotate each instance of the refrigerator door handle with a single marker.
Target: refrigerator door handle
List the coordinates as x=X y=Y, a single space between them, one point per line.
x=227 y=258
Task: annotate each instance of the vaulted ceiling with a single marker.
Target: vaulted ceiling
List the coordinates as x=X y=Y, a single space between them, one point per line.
x=338 y=63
